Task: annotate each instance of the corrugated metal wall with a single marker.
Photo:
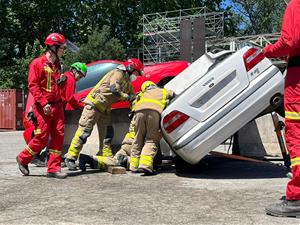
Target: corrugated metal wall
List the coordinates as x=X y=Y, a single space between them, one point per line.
x=12 y=104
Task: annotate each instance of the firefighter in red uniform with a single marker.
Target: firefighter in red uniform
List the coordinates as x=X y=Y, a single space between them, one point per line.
x=78 y=70
x=289 y=45
x=43 y=76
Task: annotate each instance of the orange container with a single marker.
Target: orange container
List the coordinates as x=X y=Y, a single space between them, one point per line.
x=12 y=105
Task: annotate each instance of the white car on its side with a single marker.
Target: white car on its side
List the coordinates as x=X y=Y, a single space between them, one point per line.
x=215 y=97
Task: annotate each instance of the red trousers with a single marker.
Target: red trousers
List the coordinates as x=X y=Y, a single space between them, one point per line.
x=51 y=125
x=292 y=129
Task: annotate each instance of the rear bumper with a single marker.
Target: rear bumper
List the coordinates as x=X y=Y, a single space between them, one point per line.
x=204 y=137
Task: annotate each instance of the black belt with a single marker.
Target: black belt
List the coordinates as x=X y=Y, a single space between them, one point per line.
x=294 y=61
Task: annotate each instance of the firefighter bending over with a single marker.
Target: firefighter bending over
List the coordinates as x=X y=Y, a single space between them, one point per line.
x=113 y=87
x=148 y=109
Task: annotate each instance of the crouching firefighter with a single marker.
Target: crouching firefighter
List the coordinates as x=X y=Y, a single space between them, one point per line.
x=148 y=109
x=121 y=158
x=113 y=87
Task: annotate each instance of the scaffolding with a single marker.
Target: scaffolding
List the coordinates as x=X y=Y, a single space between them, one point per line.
x=235 y=43
x=161 y=32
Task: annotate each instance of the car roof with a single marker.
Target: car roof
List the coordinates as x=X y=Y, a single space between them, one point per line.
x=104 y=61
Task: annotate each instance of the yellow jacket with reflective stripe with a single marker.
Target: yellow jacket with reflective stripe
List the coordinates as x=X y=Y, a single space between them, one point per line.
x=155 y=99
x=101 y=95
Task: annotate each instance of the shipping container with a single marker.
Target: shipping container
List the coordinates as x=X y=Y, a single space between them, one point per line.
x=12 y=103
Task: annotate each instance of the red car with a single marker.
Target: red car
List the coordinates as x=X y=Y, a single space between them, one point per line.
x=158 y=73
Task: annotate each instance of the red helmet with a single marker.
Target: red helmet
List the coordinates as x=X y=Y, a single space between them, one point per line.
x=55 y=39
x=134 y=64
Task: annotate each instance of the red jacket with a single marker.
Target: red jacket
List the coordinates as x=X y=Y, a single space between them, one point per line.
x=42 y=78
x=68 y=90
x=289 y=42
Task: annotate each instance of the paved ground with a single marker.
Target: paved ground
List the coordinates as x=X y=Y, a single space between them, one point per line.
x=224 y=192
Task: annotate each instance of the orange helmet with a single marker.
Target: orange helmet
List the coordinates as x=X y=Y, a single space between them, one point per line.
x=134 y=64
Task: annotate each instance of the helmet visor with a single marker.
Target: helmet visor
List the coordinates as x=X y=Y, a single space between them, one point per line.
x=71 y=46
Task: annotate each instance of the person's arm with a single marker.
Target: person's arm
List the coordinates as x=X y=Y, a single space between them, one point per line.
x=34 y=83
x=170 y=94
x=285 y=43
x=115 y=86
x=69 y=94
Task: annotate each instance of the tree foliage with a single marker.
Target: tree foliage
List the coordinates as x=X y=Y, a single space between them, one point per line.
x=16 y=75
x=100 y=45
x=107 y=29
x=258 y=16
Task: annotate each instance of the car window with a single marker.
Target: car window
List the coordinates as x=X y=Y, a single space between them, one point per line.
x=94 y=74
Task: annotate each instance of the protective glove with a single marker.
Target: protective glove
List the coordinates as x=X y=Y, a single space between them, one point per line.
x=131 y=114
x=131 y=97
x=47 y=109
x=31 y=117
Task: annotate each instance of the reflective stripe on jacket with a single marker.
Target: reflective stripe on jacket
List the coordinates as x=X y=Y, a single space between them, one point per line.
x=42 y=78
x=101 y=95
x=155 y=99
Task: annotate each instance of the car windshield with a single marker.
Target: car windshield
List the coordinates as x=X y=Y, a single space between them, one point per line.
x=94 y=74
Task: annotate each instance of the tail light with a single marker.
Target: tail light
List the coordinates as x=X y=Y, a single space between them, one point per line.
x=173 y=120
x=252 y=57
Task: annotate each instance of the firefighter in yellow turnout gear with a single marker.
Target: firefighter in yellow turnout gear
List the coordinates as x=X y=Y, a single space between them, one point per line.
x=113 y=87
x=120 y=159
x=148 y=109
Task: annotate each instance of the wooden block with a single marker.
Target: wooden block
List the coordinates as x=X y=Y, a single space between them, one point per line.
x=116 y=170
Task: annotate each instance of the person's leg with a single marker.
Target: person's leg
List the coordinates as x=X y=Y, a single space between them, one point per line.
x=151 y=142
x=138 y=142
x=290 y=206
x=56 y=142
x=87 y=121
x=38 y=142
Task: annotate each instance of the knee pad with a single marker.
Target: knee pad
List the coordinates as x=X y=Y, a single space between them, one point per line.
x=85 y=134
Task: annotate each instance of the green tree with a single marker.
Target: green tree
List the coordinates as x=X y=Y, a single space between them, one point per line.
x=100 y=45
x=16 y=75
x=258 y=16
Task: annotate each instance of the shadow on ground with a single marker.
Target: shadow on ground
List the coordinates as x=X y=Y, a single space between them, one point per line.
x=222 y=168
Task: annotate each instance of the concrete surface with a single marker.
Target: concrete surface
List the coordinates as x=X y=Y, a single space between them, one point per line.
x=219 y=191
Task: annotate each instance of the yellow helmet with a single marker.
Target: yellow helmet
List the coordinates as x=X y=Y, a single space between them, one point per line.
x=147 y=84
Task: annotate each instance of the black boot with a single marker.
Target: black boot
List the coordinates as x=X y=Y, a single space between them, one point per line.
x=122 y=160
x=23 y=168
x=58 y=175
x=284 y=209
x=70 y=163
x=38 y=161
x=146 y=171
x=85 y=160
